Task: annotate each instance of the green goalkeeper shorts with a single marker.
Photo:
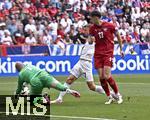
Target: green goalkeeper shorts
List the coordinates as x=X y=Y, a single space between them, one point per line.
x=42 y=80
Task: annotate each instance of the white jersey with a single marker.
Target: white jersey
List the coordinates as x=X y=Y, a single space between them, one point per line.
x=84 y=66
x=87 y=52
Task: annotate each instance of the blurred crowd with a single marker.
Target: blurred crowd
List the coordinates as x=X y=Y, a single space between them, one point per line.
x=38 y=22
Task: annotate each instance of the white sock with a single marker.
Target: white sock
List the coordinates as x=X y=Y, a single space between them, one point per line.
x=118 y=95
x=115 y=96
x=62 y=94
x=99 y=89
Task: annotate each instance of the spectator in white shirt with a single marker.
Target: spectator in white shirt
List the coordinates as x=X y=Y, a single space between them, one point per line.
x=83 y=5
x=102 y=6
x=66 y=22
x=61 y=42
x=1 y=31
x=144 y=12
x=39 y=31
x=82 y=22
x=30 y=40
x=53 y=26
x=7 y=40
x=46 y=39
x=75 y=4
x=31 y=26
x=1 y=5
x=135 y=14
x=144 y=32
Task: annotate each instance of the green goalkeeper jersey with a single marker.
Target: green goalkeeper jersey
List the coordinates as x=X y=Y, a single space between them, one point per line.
x=38 y=79
x=28 y=73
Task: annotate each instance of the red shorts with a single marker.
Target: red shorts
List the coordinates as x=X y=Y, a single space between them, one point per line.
x=103 y=60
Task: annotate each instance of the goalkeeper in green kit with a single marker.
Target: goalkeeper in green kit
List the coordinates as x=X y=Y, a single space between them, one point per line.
x=38 y=79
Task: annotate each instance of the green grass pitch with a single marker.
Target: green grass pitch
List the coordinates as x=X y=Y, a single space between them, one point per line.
x=134 y=88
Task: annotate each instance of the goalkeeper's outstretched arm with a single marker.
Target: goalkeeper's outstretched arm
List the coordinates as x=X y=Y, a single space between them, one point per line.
x=19 y=87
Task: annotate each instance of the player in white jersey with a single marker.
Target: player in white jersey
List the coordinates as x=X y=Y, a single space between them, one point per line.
x=82 y=68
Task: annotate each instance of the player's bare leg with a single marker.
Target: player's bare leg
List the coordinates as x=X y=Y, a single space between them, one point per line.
x=68 y=83
x=105 y=86
x=96 y=88
x=112 y=83
x=64 y=89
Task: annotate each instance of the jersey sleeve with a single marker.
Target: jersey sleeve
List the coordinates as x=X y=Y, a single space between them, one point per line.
x=19 y=87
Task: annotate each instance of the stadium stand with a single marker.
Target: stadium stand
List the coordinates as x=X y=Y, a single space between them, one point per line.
x=60 y=22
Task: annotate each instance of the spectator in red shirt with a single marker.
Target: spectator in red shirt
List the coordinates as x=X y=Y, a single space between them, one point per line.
x=128 y=37
x=90 y=8
x=14 y=9
x=45 y=2
x=43 y=10
x=60 y=31
x=1 y=14
x=33 y=1
x=77 y=14
x=32 y=9
x=18 y=39
x=52 y=10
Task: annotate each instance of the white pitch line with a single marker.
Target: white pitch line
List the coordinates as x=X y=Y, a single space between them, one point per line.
x=122 y=83
x=75 y=117
x=96 y=83
x=134 y=83
x=59 y=116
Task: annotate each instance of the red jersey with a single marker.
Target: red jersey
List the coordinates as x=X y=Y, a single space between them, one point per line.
x=104 y=36
x=32 y=9
x=52 y=11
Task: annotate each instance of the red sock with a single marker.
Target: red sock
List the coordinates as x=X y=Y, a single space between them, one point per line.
x=113 y=84
x=105 y=86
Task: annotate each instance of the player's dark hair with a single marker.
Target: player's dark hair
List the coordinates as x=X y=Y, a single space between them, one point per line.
x=96 y=13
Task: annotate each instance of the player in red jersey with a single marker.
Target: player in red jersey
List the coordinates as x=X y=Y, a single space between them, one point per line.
x=103 y=35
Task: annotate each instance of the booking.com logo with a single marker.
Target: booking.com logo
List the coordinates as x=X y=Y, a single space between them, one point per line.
x=8 y=66
x=135 y=63
x=132 y=64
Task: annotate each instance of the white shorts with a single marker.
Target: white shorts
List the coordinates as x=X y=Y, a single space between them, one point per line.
x=83 y=68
